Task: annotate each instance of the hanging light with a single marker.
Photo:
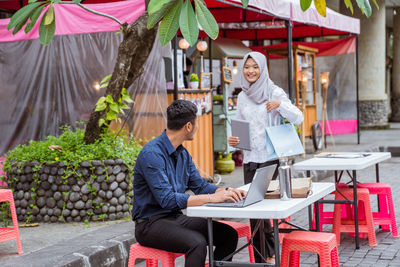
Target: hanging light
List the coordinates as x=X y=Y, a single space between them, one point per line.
x=183 y=44
x=235 y=68
x=201 y=46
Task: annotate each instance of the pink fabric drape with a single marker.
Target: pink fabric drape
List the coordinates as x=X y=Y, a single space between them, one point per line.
x=72 y=19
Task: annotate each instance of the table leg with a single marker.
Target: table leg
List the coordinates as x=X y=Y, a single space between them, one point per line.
x=262 y=239
x=377 y=180
x=310 y=218
x=276 y=237
x=354 y=178
x=316 y=208
x=210 y=242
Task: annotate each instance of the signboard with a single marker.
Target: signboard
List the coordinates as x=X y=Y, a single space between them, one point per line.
x=227 y=75
x=205 y=80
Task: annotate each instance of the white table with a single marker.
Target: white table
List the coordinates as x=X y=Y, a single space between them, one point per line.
x=267 y=209
x=345 y=164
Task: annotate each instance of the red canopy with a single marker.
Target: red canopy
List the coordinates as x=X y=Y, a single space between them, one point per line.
x=230 y=11
x=329 y=48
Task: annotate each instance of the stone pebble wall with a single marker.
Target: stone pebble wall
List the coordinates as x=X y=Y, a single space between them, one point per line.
x=56 y=198
x=373 y=113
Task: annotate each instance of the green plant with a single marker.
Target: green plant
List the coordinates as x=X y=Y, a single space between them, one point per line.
x=70 y=149
x=112 y=108
x=194 y=77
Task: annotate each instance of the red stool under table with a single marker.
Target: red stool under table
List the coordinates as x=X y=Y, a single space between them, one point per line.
x=365 y=225
x=317 y=242
x=386 y=216
x=326 y=217
x=10 y=233
x=243 y=230
x=152 y=256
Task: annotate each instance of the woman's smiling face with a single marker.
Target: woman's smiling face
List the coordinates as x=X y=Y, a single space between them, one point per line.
x=251 y=70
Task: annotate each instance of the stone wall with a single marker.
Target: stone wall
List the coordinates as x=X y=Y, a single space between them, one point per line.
x=54 y=192
x=373 y=113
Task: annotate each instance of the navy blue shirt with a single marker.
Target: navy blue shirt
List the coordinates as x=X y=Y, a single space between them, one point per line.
x=161 y=176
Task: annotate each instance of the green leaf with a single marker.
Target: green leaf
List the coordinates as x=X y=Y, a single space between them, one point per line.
x=109 y=99
x=157 y=16
x=103 y=85
x=124 y=92
x=101 y=100
x=376 y=4
x=106 y=78
x=123 y=106
x=114 y=107
x=101 y=107
x=305 y=4
x=320 y=5
x=245 y=3
x=77 y=1
x=21 y=16
x=365 y=7
x=56 y=1
x=188 y=23
x=49 y=17
x=127 y=99
x=349 y=5
x=156 y=5
x=206 y=20
x=46 y=32
x=170 y=23
x=31 y=1
x=33 y=18
x=111 y=116
x=101 y=122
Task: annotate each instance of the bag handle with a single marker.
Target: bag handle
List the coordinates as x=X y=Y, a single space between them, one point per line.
x=279 y=116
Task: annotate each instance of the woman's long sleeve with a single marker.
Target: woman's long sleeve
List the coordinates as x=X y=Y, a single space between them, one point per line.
x=287 y=109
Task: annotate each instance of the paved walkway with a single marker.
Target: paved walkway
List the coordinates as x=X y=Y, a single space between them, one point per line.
x=107 y=244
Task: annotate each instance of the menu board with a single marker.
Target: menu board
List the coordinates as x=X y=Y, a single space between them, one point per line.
x=227 y=73
x=205 y=80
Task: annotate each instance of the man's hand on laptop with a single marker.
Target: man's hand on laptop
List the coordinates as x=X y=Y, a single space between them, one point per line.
x=228 y=194
x=233 y=140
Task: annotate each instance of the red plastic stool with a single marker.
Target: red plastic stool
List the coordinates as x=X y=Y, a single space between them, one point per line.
x=152 y=256
x=10 y=233
x=386 y=216
x=243 y=230
x=365 y=225
x=322 y=243
x=326 y=217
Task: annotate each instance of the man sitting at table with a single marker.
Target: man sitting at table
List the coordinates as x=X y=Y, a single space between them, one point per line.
x=163 y=171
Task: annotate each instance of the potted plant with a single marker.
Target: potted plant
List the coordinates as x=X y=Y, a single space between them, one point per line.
x=194 y=81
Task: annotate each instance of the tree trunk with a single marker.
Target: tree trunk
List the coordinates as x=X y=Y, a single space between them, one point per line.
x=132 y=54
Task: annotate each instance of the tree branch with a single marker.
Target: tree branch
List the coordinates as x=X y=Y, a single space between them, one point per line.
x=93 y=11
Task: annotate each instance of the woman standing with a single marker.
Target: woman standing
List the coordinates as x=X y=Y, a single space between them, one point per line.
x=259 y=97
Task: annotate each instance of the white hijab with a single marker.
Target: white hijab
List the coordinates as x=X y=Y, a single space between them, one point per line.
x=260 y=90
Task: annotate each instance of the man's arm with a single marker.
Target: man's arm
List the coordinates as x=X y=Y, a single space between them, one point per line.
x=220 y=195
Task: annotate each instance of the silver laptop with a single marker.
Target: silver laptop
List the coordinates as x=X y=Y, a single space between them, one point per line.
x=241 y=129
x=257 y=189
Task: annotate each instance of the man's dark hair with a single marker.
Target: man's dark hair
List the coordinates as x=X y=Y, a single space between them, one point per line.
x=179 y=113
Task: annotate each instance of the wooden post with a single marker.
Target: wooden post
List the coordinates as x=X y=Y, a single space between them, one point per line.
x=324 y=85
x=303 y=88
